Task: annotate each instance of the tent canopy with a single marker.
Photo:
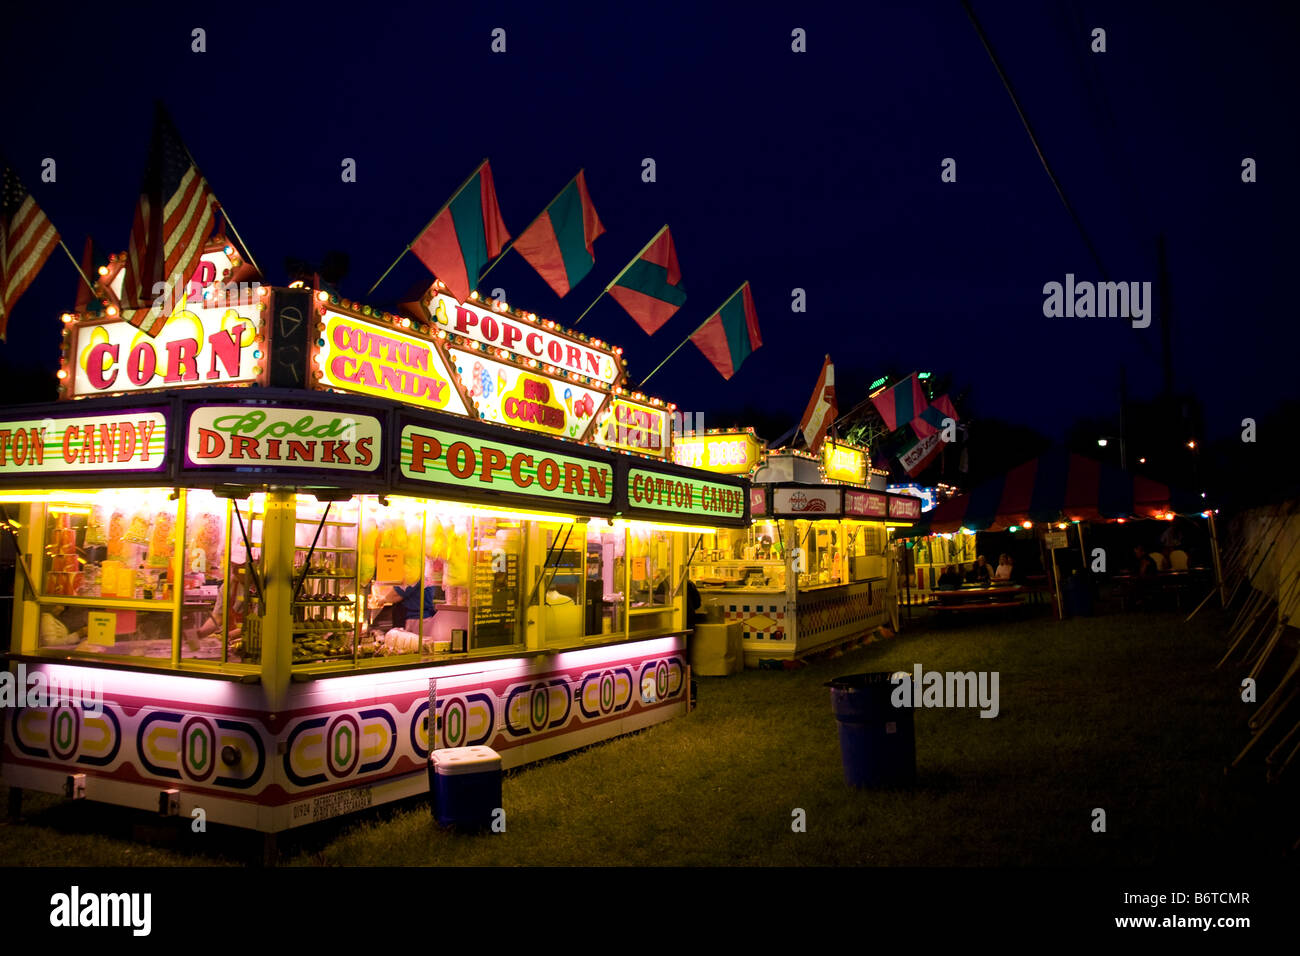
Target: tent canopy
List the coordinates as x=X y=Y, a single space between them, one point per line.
x=1058 y=486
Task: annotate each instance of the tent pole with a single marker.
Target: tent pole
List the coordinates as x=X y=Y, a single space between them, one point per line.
x=1056 y=577
x=1218 y=569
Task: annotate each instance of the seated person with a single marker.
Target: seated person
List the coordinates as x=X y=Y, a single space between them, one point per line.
x=192 y=638
x=1143 y=567
x=1177 y=560
x=1158 y=560
x=949 y=580
x=60 y=627
x=980 y=572
x=1005 y=569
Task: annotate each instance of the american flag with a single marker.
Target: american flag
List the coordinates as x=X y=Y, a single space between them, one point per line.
x=173 y=220
x=27 y=237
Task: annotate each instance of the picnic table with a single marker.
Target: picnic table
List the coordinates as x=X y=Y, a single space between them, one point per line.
x=977 y=597
x=1134 y=588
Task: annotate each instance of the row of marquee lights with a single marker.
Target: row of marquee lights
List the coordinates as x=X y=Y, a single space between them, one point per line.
x=353 y=353
x=138 y=364
x=839 y=462
x=226 y=436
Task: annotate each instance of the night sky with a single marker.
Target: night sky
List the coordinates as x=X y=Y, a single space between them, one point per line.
x=818 y=170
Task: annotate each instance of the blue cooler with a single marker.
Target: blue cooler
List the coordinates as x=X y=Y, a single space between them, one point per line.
x=465 y=783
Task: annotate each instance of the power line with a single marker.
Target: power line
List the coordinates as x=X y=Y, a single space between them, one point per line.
x=1033 y=138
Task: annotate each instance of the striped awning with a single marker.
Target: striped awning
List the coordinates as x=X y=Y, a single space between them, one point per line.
x=1058 y=486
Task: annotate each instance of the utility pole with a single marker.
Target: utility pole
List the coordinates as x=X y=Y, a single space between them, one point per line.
x=1166 y=317
x=1123 y=431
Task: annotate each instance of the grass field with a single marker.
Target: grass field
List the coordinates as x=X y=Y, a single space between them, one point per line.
x=1123 y=713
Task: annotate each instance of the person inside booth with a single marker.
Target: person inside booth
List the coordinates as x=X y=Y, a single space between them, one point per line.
x=235 y=608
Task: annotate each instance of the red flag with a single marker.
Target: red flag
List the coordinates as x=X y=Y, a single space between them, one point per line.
x=899 y=404
x=559 y=242
x=821 y=410
x=931 y=419
x=650 y=288
x=465 y=236
x=173 y=220
x=728 y=336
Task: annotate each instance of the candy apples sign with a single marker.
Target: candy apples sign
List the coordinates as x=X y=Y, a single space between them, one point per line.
x=197 y=346
x=632 y=426
x=510 y=396
x=529 y=340
x=353 y=355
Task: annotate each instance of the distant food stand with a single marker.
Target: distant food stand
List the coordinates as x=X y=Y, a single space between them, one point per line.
x=298 y=542
x=814 y=568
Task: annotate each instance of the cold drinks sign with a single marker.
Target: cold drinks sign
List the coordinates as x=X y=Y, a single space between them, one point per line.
x=242 y=436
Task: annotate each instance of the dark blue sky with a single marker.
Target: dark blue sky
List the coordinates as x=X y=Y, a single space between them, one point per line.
x=818 y=170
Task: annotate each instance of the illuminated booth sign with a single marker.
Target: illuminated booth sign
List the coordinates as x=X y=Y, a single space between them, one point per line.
x=81 y=444
x=249 y=436
x=508 y=395
x=865 y=504
x=199 y=345
x=727 y=453
x=635 y=426
x=354 y=355
x=846 y=463
x=477 y=465
x=697 y=496
x=540 y=341
x=904 y=506
x=806 y=502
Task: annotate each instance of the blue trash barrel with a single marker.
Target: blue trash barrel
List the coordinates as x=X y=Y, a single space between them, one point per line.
x=877 y=739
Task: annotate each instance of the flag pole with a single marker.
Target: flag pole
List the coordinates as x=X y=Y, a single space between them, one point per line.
x=623 y=272
x=506 y=248
x=240 y=239
x=224 y=211
x=689 y=337
x=674 y=352
x=77 y=265
x=426 y=226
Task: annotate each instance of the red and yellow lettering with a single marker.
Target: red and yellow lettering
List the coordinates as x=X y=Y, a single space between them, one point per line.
x=517 y=464
x=460 y=460
x=494 y=459
x=99 y=376
x=424 y=448
x=182 y=361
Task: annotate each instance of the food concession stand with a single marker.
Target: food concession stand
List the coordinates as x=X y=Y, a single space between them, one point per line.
x=814 y=567
x=295 y=543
